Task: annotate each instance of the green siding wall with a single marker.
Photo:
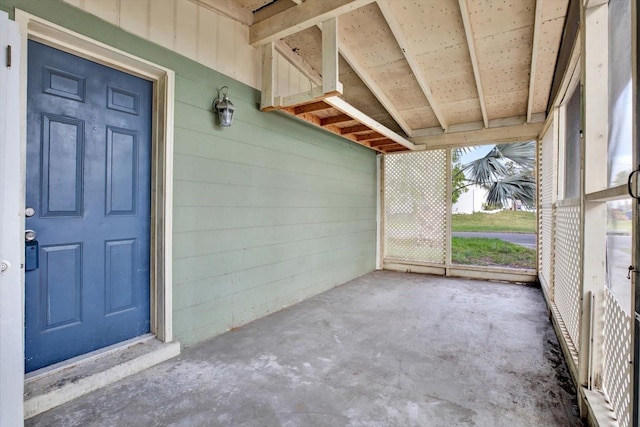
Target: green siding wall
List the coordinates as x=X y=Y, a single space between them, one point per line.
x=266 y=213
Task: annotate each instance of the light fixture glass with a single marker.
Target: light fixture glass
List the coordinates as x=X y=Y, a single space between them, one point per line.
x=224 y=108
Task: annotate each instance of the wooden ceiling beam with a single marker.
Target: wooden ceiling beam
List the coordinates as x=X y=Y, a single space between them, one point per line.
x=464 y=11
x=372 y=136
x=524 y=132
x=382 y=143
x=346 y=108
x=355 y=129
x=298 y=18
x=534 y=58
x=416 y=69
x=394 y=149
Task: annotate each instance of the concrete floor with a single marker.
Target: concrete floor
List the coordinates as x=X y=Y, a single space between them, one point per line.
x=387 y=349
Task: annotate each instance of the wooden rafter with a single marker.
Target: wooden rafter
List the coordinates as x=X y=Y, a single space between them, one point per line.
x=310 y=108
x=534 y=58
x=464 y=10
x=346 y=108
x=401 y=39
x=370 y=136
x=382 y=143
x=355 y=129
x=341 y=118
x=298 y=18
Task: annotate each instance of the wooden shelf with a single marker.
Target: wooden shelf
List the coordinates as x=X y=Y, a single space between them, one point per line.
x=346 y=122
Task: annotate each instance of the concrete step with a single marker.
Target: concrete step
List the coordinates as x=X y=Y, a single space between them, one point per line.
x=54 y=385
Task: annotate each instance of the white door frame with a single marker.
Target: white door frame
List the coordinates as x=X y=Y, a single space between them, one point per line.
x=38 y=29
x=11 y=230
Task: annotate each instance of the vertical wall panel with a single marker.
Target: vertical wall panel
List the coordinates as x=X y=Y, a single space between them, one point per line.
x=244 y=65
x=282 y=77
x=105 y=9
x=207 y=38
x=134 y=17
x=225 y=45
x=195 y=32
x=161 y=23
x=186 y=28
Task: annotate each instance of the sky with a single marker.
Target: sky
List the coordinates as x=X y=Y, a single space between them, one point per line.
x=476 y=153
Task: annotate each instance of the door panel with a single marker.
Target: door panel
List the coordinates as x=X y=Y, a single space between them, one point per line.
x=88 y=179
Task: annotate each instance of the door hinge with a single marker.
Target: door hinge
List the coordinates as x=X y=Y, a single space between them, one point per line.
x=8 y=56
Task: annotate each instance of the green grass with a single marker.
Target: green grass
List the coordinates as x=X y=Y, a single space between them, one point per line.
x=619 y=226
x=504 y=221
x=491 y=252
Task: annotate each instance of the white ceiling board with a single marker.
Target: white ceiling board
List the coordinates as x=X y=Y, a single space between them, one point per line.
x=367 y=34
x=464 y=111
x=397 y=82
x=420 y=118
x=505 y=58
x=369 y=45
x=507 y=104
x=430 y=25
x=503 y=35
x=450 y=73
x=491 y=17
x=551 y=28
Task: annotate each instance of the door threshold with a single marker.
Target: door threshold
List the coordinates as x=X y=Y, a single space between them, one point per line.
x=54 y=385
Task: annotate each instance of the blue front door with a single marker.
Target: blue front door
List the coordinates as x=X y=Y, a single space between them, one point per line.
x=88 y=187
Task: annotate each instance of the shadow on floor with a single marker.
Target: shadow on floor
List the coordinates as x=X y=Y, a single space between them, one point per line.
x=386 y=349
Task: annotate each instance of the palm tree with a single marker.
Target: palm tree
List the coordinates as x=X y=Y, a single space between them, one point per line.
x=506 y=172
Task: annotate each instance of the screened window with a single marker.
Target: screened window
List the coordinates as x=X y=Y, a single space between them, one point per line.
x=572 y=150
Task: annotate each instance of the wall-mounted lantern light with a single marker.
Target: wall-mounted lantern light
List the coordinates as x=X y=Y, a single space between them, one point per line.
x=224 y=107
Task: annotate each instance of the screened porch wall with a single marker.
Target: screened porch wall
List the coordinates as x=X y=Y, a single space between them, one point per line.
x=415 y=207
x=582 y=271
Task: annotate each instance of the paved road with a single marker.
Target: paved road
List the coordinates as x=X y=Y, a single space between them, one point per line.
x=526 y=240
